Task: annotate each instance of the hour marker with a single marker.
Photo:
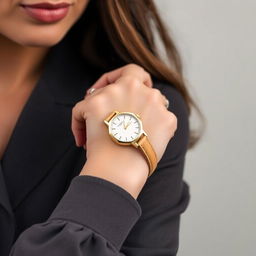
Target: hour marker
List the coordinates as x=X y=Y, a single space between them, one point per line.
x=119 y=137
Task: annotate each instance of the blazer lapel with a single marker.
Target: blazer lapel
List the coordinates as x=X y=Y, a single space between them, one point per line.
x=43 y=131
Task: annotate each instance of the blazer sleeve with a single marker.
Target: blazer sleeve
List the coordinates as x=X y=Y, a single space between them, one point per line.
x=98 y=217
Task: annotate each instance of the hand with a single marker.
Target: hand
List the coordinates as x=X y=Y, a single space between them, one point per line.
x=123 y=89
x=126 y=92
x=128 y=89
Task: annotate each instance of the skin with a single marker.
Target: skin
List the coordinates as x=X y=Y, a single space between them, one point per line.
x=128 y=89
x=24 y=44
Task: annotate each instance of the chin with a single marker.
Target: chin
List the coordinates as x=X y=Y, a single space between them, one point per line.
x=39 y=42
x=41 y=38
x=35 y=36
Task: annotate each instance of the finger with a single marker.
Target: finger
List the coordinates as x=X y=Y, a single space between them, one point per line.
x=78 y=124
x=108 y=78
x=164 y=98
x=112 y=76
x=138 y=72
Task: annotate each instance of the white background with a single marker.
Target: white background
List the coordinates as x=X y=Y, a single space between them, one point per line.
x=217 y=40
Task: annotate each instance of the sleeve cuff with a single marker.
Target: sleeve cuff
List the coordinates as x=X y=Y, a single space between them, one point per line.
x=100 y=205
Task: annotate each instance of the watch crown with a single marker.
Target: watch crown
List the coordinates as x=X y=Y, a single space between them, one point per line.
x=137 y=115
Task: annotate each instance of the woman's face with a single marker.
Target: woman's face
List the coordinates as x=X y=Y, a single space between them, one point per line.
x=38 y=22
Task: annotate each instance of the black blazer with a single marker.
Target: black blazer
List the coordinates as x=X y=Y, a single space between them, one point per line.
x=47 y=209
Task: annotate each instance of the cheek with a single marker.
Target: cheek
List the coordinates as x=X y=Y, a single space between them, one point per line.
x=16 y=25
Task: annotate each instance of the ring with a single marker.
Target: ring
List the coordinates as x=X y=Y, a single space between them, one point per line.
x=91 y=90
x=167 y=103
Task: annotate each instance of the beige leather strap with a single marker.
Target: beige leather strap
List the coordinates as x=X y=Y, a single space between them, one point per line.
x=145 y=146
x=110 y=116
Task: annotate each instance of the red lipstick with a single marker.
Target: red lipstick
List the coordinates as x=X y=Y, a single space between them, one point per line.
x=47 y=12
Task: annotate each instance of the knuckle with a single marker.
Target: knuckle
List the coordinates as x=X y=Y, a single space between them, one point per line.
x=104 y=75
x=157 y=92
x=116 y=91
x=135 y=66
x=135 y=82
x=113 y=89
x=76 y=107
x=97 y=101
x=155 y=95
x=132 y=81
x=173 y=121
x=148 y=76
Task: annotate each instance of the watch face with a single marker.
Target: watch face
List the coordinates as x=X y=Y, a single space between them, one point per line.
x=125 y=127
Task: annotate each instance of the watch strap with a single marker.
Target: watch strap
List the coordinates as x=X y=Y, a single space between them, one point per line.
x=145 y=146
x=110 y=116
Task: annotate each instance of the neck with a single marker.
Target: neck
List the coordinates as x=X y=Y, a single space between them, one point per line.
x=19 y=65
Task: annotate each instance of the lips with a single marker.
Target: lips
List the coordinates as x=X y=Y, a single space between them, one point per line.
x=47 y=12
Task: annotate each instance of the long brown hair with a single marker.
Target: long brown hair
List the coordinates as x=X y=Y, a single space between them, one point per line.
x=117 y=32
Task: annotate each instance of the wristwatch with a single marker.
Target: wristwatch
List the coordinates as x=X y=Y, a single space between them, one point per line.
x=125 y=128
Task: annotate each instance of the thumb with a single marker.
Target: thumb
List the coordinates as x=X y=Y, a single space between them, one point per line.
x=78 y=123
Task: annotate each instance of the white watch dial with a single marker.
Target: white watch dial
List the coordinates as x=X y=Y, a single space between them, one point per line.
x=125 y=127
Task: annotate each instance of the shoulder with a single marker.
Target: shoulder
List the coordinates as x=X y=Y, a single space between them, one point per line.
x=178 y=145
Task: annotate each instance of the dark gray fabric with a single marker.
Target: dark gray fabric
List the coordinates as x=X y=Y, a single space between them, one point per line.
x=120 y=213
x=47 y=209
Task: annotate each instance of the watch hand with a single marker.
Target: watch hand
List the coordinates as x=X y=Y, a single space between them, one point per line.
x=121 y=123
x=127 y=125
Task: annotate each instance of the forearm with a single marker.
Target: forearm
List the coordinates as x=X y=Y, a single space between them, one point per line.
x=124 y=166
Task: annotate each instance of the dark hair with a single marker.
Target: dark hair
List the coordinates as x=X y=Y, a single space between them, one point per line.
x=118 y=32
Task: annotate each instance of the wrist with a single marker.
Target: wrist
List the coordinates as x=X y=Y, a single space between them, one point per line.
x=124 y=166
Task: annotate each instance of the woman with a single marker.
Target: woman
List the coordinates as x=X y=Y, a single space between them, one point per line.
x=65 y=187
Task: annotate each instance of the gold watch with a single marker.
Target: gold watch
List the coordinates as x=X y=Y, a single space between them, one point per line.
x=125 y=128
